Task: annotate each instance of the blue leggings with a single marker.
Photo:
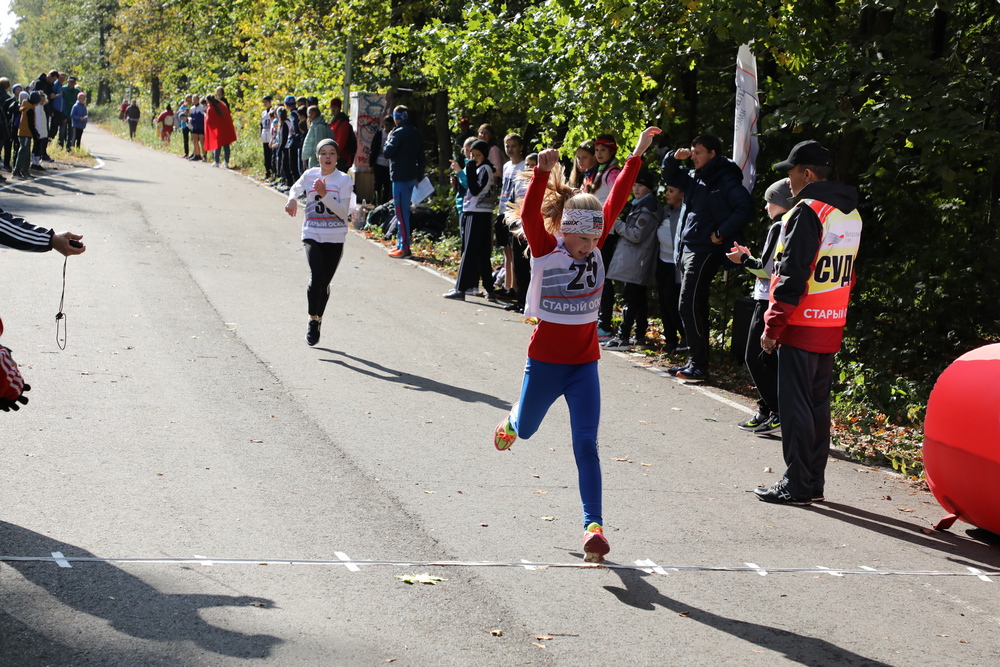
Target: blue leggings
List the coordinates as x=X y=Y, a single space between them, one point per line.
x=402 y=192
x=545 y=382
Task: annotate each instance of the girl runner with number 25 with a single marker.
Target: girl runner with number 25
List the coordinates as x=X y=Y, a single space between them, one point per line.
x=565 y=232
x=324 y=227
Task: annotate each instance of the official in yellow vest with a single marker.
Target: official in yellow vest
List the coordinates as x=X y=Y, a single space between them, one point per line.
x=804 y=323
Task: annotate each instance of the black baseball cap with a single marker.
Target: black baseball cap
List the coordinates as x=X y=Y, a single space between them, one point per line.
x=806 y=152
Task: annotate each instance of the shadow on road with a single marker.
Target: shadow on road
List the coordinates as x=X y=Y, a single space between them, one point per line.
x=62 y=185
x=641 y=594
x=380 y=372
x=980 y=555
x=127 y=603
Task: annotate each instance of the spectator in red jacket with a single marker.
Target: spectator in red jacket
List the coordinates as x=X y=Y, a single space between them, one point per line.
x=343 y=134
x=219 y=129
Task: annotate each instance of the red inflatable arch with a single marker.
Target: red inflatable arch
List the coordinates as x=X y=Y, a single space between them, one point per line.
x=962 y=440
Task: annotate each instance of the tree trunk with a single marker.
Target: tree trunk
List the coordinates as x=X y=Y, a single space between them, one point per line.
x=154 y=94
x=689 y=88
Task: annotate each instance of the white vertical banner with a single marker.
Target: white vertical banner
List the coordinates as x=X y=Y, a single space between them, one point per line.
x=747 y=110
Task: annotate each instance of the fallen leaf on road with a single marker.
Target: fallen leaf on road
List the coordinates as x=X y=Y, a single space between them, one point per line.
x=626 y=459
x=496 y=633
x=648 y=465
x=547 y=518
x=927 y=531
x=160 y=473
x=540 y=491
x=963 y=641
x=677 y=409
x=537 y=476
x=390 y=659
x=538 y=645
x=542 y=638
x=886 y=497
x=711 y=419
x=252 y=440
x=768 y=469
x=484 y=525
x=430 y=491
x=419 y=579
x=641 y=421
x=684 y=613
x=903 y=509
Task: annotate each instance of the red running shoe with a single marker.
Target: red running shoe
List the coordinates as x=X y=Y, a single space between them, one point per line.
x=595 y=545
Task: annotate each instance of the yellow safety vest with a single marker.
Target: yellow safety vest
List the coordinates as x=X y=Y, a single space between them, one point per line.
x=829 y=287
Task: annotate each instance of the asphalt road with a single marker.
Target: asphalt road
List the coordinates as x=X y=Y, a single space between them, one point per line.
x=187 y=418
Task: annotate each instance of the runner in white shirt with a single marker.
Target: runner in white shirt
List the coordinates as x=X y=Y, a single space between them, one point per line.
x=324 y=227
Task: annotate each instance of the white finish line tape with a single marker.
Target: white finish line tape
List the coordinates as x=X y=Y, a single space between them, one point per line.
x=645 y=565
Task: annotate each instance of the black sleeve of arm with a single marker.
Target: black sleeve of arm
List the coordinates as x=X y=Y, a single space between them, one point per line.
x=19 y=234
x=802 y=237
x=671 y=166
x=477 y=180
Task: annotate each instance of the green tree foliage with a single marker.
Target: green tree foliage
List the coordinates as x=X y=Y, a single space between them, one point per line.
x=10 y=64
x=905 y=92
x=68 y=35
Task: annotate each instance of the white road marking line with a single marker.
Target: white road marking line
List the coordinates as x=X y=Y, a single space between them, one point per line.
x=979 y=574
x=762 y=572
x=60 y=559
x=642 y=566
x=350 y=565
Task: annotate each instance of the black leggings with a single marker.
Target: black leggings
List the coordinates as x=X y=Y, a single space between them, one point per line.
x=476 y=253
x=77 y=135
x=323 y=258
x=635 y=311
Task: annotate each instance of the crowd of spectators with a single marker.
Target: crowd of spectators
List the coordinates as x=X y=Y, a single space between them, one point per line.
x=51 y=108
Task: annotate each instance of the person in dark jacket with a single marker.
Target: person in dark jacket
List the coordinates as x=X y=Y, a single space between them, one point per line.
x=380 y=163
x=716 y=208
x=405 y=150
x=810 y=292
x=634 y=261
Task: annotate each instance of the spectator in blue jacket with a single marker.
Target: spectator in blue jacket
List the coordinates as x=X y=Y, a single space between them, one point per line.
x=78 y=117
x=405 y=150
x=716 y=208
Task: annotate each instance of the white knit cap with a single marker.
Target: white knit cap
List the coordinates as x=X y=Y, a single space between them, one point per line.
x=582 y=221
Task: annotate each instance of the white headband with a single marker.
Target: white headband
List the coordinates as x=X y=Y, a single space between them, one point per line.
x=582 y=221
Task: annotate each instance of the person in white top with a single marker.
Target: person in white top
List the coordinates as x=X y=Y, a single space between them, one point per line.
x=265 y=137
x=324 y=226
x=514 y=147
